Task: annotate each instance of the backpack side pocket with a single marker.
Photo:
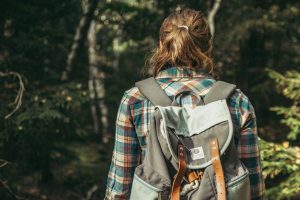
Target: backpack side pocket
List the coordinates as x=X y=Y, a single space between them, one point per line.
x=239 y=188
x=142 y=190
x=148 y=184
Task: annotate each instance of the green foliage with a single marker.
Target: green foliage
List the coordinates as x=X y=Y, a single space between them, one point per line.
x=281 y=164
x=47 y=118
x=289 y=86
x=278 y=159
x=286 y=189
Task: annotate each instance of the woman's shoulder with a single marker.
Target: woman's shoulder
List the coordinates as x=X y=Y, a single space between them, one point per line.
x=241 y=107
x=132 y=96
x=240 y=98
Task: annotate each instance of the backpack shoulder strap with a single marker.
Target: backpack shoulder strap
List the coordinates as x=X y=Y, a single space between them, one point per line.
x=152 y=91
x=220 y=90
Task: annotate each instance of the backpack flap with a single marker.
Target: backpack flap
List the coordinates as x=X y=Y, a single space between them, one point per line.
x=194 y=128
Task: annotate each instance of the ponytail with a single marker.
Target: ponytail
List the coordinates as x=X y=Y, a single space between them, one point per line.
x=185 y=40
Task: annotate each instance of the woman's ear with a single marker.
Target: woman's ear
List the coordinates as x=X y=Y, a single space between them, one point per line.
x=160 y=43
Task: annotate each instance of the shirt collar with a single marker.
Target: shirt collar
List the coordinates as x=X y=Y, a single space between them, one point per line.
x=182 y=72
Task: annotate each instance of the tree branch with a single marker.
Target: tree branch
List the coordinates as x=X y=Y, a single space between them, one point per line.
x=211 y=16
x=10 y=191
x=18 y=100
x=3 y=163
x=4 y=183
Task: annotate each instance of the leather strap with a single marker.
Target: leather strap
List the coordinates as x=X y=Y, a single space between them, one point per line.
x=194 y=175
x=191 y=176
x=216 y=162
x=175 y=192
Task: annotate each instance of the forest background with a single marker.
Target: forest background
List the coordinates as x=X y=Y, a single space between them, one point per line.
x=65 y=64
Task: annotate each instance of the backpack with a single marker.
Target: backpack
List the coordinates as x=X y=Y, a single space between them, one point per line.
x=190 y=152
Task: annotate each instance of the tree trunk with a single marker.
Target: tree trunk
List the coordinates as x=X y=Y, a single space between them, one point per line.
x=116 y=49
x=93 y=71
x=96 y=86
x=80 y=36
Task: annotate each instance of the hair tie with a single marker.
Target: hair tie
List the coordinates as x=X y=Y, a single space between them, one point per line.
x=183 y=26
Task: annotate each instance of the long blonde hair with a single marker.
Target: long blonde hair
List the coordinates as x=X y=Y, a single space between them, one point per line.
x=184 y=40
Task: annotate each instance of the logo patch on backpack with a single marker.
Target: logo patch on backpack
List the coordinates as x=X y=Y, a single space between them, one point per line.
x=197 y=153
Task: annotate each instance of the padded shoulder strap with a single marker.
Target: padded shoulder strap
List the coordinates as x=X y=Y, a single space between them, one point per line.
x=152 y=91
x=220 y=90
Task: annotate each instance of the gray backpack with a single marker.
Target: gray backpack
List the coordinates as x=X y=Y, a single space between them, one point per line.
x=190 y=152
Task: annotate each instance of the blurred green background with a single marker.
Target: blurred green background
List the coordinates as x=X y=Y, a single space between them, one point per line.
x=65 y=64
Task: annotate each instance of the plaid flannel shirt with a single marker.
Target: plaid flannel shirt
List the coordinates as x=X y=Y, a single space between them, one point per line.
x=133 y=122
